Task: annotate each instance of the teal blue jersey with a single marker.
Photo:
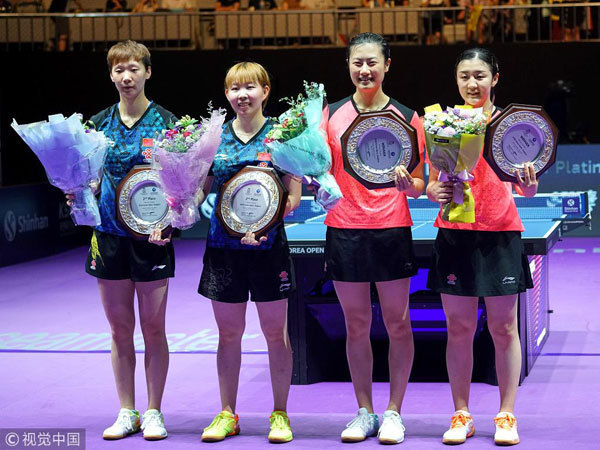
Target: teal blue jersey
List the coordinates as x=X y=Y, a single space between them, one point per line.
x=132 y=146
x=232 y=156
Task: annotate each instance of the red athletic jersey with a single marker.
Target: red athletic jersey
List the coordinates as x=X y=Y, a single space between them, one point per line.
x=361 y=207
x=495 y=208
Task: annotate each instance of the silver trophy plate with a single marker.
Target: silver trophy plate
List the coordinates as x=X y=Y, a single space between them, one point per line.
x=252 y=200
x=141 y=204
x=375 y=144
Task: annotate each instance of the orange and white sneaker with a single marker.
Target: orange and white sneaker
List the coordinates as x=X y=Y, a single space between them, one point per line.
x=506 y=429
x=461 y=428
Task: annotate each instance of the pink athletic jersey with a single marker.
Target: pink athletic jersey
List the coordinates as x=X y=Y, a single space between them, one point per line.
x=361 y=207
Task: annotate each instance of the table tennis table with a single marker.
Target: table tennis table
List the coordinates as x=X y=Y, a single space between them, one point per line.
x=316 y=321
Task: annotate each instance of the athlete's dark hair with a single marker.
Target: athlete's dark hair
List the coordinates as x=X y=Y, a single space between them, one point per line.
x=483 y=54
x=123 y=51
x=369 y=38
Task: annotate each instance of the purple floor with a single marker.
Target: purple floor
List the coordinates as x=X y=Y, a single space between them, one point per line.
x=55 y=369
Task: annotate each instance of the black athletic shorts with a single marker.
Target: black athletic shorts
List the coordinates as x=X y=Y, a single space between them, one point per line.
x=230 y=275
x=366 y=255
x=113 y=257
x=479 y=263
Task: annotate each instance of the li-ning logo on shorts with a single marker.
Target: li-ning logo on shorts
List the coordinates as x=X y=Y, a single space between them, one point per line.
x=451 y=279
x=509 y=280
x=285 y=284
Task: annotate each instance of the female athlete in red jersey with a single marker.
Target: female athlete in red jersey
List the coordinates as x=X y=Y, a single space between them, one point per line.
x=369 y=240
x=481 y=259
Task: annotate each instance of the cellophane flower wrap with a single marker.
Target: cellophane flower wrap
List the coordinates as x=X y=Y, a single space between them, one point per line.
x=182 y=156
x=454 y=139
x=73 y=155
x=298 y=146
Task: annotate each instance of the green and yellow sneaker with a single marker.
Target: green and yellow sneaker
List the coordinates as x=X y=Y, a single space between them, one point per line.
x=280 y=428
x=223 y=425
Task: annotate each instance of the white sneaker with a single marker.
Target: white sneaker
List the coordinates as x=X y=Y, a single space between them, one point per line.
x=392 y=429
x=461 y=428
x=153 y=424
x=128 y=422
x=506 y=429
x=362 y=426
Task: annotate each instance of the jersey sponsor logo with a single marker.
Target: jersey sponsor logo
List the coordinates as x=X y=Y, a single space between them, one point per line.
x=147 y=154
x=451 y=279
x=509 y=280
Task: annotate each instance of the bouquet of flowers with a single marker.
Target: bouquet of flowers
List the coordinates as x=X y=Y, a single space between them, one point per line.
x=182 y=156
x=298 y=146
x=454 y=140
x=73 y=155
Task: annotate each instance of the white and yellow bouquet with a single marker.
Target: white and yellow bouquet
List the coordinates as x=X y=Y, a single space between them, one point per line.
x=454 y=140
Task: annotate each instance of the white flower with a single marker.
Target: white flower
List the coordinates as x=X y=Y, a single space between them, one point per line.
x=447 y=132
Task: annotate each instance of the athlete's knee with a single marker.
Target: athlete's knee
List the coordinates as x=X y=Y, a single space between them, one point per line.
x=230 y=334
x=358 y=326
x=460 y=329
x=275 y=334
x=503 y=333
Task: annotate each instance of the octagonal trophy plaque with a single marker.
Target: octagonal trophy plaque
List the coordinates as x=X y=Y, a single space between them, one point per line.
x=520 y=134
x=141 y=204
x=375 y=144
x=252 y=200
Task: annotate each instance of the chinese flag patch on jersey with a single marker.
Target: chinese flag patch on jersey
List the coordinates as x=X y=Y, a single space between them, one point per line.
x=264 y=156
